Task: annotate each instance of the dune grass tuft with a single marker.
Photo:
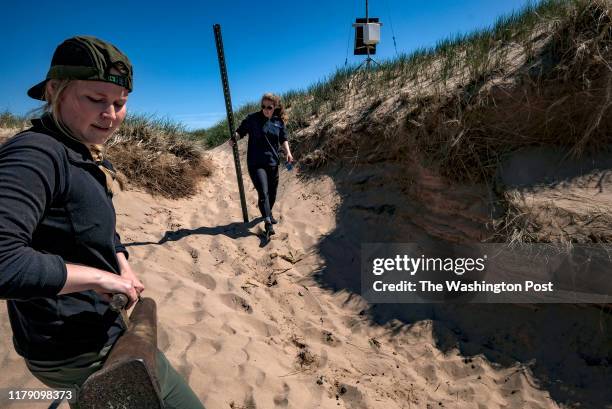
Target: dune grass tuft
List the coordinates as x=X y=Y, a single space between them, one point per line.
x=12 y=121
x=159 y=156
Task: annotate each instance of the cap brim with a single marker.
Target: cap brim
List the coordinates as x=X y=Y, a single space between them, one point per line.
x=37 y=91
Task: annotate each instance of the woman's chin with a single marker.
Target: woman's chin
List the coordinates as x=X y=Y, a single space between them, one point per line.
x=98 y=136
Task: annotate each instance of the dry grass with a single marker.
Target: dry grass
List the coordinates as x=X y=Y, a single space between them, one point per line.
x=158 y=156
x=541 y=77
x=560 y=98
x=12 y=121
x=10 y=124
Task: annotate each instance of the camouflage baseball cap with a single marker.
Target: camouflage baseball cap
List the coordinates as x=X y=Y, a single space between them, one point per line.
x=86 y=58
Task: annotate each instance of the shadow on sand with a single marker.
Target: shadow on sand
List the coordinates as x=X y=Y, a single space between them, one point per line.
x=232 y=230
x=568 y=348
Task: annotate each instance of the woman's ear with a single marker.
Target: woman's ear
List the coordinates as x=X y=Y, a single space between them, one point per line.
x=50 y=88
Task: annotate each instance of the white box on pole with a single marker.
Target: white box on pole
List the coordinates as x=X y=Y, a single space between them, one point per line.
x=371 y=33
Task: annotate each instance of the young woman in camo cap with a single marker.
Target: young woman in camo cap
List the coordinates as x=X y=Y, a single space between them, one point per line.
x=60 y=256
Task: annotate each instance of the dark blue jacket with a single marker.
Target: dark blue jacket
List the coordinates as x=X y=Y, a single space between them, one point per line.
x=54 y=209
x=265 y=138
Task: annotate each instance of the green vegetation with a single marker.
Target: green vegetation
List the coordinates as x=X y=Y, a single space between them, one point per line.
x=9 y=120
x=465 y=58
x=144 y=126
x=540 y=76
x=219 y=133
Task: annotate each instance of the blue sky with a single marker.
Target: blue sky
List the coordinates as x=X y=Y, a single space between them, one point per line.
x=269 y=45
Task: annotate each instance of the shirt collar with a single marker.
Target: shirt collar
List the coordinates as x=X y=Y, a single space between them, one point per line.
x=47 y=125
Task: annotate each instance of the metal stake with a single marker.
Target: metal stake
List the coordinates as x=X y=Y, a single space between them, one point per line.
x=230 y=117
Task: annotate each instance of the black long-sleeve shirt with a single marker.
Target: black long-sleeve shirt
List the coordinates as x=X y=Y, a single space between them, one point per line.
x=265 y=138
x=54 y=209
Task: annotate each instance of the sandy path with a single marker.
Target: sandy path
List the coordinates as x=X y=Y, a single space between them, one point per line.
x=249 y=327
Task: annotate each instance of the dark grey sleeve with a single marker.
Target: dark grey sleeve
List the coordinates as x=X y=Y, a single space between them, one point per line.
x=243 y=129
x=282 y=136
x=119 y=247
x=32 y=173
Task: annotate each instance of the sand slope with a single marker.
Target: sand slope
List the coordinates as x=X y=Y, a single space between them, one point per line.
x=249 y=327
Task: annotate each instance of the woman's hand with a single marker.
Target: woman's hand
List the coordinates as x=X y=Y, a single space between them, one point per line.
x=82 y=278
x=110 y=284
x=128 y=273
x=232 y=141
x=288 y=152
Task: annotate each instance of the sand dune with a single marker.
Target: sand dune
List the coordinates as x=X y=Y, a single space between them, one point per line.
x=250 y=327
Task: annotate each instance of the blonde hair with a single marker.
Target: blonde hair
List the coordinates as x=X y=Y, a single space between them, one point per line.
x=52 y=103
x=279 y=110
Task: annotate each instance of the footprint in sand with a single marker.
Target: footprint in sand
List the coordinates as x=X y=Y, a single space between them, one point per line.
x=248 y=371
x=170 y=293
x=185 y=367
x=205 y=279
x=260 y=327
x=249 y=402
x=282 y=399
x=228 y=329
x=217 y=346
x=236 y=302
x=351 y=395
x=260 y=378
x=198 y=311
